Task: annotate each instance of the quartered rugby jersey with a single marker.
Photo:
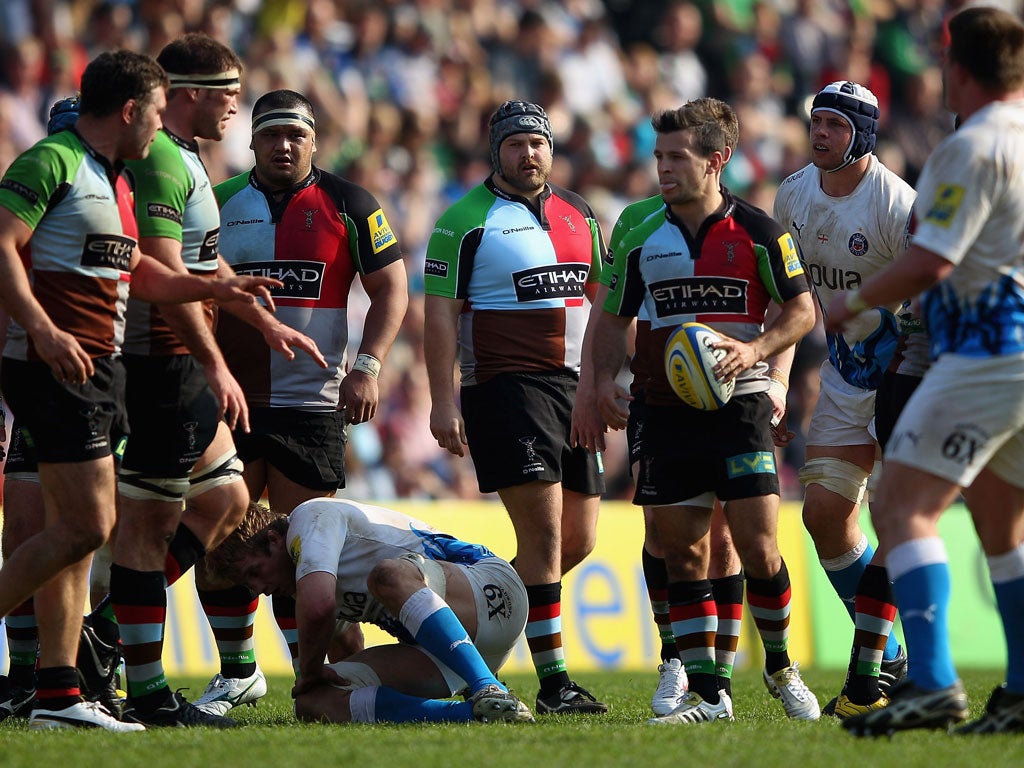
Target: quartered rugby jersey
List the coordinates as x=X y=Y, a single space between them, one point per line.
x=315 y=240
x=521 y=273
x=173 y=199
x=740 y=260
x=80 y=209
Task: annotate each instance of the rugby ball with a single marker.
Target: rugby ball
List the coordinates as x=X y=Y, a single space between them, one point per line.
x=690 y=359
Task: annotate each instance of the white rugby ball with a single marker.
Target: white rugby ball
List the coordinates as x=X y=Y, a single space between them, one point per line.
x=689 y=362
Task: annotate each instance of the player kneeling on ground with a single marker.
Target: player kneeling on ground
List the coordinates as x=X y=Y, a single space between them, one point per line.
x=455 y=608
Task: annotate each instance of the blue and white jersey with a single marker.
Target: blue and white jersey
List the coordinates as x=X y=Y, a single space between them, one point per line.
x=348 y=539
x=843 y=241
x=971 y=212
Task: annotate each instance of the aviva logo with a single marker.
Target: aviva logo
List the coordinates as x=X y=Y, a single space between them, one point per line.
x=380 y=231
x=761 y=462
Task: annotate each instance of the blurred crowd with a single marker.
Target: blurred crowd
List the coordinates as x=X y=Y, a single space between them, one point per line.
x=403 y=90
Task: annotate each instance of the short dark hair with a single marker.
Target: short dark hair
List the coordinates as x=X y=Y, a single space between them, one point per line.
x=197 y=54
x=989 y=43
x=282 y=99
x=715 y=123
x=113 y=78
x=251 y=537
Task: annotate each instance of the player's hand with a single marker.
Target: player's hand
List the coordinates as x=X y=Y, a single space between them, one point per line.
x=586 y=429
x=281 y=338
x=448 y=428
x=245 y=288
x=782 y=435
x=359 y=396
x=739 y=356
x=65 y=357
x=233 y=408
x=612 y=403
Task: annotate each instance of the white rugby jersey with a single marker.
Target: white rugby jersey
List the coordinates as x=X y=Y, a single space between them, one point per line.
x=971 y=212
x=348 y=539
x=844 y=240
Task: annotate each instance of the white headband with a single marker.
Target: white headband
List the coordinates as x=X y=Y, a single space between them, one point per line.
x=229 y=79
x=282 y=116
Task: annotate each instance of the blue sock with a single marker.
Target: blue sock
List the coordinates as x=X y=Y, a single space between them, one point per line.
x=436 y=627
x=1007 y=573
x=394 y=707
x=919 y=569
x=844 y=572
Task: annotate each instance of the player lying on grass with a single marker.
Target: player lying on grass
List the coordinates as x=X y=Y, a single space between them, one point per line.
x=455 y=608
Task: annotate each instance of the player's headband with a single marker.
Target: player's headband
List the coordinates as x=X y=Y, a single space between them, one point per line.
x=282 y=116
x=229 y=79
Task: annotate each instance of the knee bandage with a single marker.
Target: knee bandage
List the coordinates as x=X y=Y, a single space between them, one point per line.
x=135 y=485
x=876 y=477
x=226 y=469
x=836 y=475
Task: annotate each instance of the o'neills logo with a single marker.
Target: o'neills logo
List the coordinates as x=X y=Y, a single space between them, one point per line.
x=108 y=251
x=552 y=281
x=689 y=295
x=242 y=222
x=302 y=279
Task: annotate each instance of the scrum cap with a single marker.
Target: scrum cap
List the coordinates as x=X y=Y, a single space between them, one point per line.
x=517 y=117
x=859 y=107
x=63 y=114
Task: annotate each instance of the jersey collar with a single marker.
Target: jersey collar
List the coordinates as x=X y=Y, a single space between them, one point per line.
x=113 y=170
x=313 y=178
x=191 y=146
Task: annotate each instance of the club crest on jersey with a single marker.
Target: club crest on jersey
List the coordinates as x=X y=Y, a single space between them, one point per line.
x=380 y=231
x=568 y=220
x=309 y=213
x=730 y=251
x=947 y=201
x=295 y=549
x=858 y=244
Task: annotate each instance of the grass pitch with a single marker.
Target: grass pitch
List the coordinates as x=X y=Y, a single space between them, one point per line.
x=761 y=736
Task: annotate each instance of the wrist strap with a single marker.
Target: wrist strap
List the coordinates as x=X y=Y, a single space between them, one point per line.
x=367 y=364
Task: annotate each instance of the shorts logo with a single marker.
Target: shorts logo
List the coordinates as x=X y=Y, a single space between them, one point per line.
x=435 y=267
x=553 y=281
x=948 y=198
x=108 y=251
x=758 y=463
x=690 y=295
x=380 y=231
x=191 y=427
x=858 y=244
x=20 y=190
x=531 y=463
x=498 y=602
x=162 y=211
x=302 y=279
x=790 y=257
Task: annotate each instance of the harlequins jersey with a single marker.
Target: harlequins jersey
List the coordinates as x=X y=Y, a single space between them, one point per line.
x=173 y=199
x=740 y=260
x=315 y=240
x=82 y=242
x=522 y=278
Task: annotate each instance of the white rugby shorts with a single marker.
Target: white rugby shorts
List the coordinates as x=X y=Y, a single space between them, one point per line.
x=967 y=414
x=844 y=414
